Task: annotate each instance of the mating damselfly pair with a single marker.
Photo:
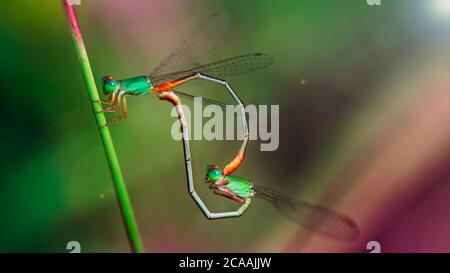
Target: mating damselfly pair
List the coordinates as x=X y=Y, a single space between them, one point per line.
x=180 y=67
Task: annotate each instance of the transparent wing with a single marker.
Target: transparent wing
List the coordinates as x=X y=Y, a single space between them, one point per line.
x=205 y=101
x=311 y=216
x=201 y=39
x=228 y=67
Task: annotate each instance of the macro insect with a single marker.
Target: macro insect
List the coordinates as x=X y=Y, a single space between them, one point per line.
x=181 y=67
x=177 y=69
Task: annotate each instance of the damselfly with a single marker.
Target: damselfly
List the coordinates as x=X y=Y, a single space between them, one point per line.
x=180 y=67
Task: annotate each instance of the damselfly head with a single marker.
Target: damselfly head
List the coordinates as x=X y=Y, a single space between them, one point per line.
x=109 y=85
x=213 y=173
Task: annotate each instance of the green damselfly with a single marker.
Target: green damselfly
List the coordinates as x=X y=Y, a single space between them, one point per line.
x=179 y=68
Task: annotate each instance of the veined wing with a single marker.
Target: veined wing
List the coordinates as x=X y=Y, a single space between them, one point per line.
x=201 y=39
x=227 y=67
x=311 y=216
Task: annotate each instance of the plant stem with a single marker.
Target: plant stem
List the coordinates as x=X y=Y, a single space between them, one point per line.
x=119 y=184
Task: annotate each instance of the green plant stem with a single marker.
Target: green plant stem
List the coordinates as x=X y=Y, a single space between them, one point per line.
x=117 y=177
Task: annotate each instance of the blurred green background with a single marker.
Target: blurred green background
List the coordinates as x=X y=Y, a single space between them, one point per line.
x=343 y=71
